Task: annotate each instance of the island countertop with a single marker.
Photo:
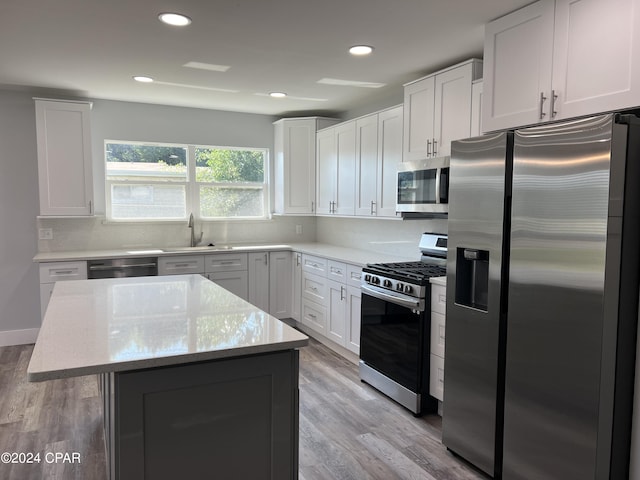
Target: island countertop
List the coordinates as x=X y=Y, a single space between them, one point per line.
x=122 y=324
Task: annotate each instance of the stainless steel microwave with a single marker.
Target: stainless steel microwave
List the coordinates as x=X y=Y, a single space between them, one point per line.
x=423 y=186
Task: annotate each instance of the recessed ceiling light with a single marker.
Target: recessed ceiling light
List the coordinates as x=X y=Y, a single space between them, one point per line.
x=175 y=19
x=143 y=79
x=278 y=94
x=360 y=50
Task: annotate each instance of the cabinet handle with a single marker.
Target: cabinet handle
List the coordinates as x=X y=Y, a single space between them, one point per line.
x=313 y=204
x=90 y=207
x=311 y=315
x=181 y=265
x=373 y=205
x=428 y=147
x=266 y=259
x=435 y=147
x=63 y=272
x=554 y=97
x=228 y=262
x=342 y=293
x=542 y=100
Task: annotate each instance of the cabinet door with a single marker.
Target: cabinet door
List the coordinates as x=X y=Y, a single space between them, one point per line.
x=236 y=282
x=336 y=317
x=595 y=56
x=346 y=165
x=297 y=287
x=476 y=109
x=259 y=280
x=389 y=156
x=418 y=118
x=280 y=284
x=354 y=301
x=327 y=171
x=314 y=316
x=452 y=110
x=517 y=67
x=64 y=157
x=295 y=165
x=366 y=165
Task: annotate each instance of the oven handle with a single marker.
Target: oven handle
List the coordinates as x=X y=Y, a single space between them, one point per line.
x=404 y=302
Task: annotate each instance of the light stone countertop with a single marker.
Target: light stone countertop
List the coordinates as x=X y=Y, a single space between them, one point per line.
x=332 y=252
x=110 y=325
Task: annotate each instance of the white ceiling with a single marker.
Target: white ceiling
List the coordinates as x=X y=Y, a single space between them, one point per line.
x=92 y=48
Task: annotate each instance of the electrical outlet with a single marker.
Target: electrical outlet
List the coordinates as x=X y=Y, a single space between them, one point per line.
x=45 y=233
x=298 y=229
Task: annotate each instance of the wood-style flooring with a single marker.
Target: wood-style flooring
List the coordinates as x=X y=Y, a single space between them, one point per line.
x=347 y=429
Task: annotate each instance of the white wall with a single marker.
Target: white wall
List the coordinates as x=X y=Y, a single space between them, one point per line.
x=19 y=284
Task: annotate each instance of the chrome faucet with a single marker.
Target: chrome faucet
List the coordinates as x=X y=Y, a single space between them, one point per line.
x=191 y=225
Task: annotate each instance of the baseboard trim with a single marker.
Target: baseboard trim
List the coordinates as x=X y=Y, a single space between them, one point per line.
x=18 y=337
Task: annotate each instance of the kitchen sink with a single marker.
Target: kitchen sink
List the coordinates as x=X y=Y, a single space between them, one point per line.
x=200 y=248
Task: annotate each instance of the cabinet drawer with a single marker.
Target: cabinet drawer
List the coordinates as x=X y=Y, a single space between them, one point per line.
x=438 y=299
x=59 y=271
x=235 y=281
x=314 y=287
x=354 y=275
x=181 y=265
x=437 y=334
x=337 y=271
x=314 y=316
x=225 y=262
x=436 y=377
x=315 y=265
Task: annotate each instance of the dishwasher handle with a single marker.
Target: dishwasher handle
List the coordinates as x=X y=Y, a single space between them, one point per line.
x=120 y=267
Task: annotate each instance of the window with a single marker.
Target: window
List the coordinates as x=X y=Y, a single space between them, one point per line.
x=167 y=182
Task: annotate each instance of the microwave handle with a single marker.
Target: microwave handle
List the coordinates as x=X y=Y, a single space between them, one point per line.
x=438 y=172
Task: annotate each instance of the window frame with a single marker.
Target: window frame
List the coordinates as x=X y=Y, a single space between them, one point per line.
x=191 y=185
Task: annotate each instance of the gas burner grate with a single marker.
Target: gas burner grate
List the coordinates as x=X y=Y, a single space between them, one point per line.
x=419 y=271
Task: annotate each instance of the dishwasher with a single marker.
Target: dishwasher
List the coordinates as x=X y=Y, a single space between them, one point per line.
x=122 y=267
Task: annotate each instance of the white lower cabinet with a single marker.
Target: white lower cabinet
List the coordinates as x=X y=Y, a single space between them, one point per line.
x=330 y=300
x=259 y=280
x=280 y=284
x=53 y=272
x=181 y=265
x=296 y=290
x=230 y=271
x=438 y=321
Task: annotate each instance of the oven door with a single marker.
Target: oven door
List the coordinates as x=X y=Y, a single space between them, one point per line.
x=393 y=335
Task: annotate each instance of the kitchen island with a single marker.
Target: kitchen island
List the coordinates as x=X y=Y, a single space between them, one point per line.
x=196 y=382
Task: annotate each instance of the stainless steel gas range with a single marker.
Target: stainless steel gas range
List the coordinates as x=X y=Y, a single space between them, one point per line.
x=395 y=325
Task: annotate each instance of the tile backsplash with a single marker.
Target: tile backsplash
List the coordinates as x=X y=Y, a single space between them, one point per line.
x=94 y=233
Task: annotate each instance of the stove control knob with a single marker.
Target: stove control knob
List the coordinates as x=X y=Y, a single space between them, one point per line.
x=399 y=286
x=375 y=280
x=367 y=278
x=387 y=283
x=408 y=289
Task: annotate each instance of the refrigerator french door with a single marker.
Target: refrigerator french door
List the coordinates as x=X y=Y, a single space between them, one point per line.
x=543 y=299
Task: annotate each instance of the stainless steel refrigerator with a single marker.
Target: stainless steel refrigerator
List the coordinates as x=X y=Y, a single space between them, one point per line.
x=542 y=299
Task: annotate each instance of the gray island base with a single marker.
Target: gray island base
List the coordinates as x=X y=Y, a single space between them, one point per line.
x=196 y=382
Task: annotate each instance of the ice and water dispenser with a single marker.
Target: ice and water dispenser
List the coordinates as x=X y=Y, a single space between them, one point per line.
x=472 y=278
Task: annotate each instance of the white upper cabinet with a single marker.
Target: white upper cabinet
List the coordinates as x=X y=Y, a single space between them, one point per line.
x=336 y=152
x=419 y=98
x=64 y=157
x=367 y=165
x=560 y=59
x=378 y=152
x=596 y=62
x=437 y=110
x=295 y=164
x=476 y=108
